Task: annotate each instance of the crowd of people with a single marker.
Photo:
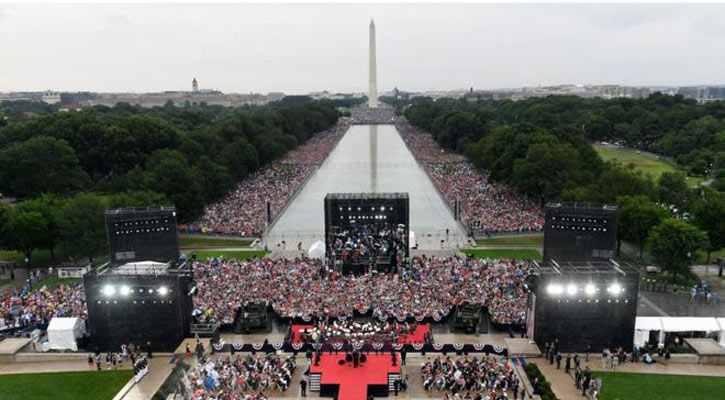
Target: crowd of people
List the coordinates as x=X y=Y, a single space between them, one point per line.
x=473 y=378
x=242 y=377
x=358 y=242
x=242 y=211
x=26 y=306
x=486 y=207
x=323 y=331
x=424 y=287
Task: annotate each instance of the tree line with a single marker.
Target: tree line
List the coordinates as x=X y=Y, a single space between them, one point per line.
x=191 y=155
x=542 y=146
x=67 y=168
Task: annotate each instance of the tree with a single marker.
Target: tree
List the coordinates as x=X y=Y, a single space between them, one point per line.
x=82 y=224
x=548 y=169
x=672 y=189
x=46 y=206
x=5 y=212
x=637 y=216
x=27 y=232
x=674 y=245
x=40 y=165
x=709 y=215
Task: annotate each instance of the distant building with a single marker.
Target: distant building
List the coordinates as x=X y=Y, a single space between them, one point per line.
x=194 y=86
x=703 y=93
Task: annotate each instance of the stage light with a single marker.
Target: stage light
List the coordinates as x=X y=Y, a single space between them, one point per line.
x=615 y=289
x=571 y=289
x=590 y=289
x=125 y=290
x=163 y=291
x=554 y=289
x=109 y=290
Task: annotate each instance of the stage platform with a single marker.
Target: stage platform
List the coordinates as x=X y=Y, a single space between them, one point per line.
x=521 y=347
x=417 y=337
x=10 y=347
x=709 y=351
x=374 y=376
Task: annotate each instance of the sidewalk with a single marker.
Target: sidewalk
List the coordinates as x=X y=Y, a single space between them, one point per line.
x=159 y=370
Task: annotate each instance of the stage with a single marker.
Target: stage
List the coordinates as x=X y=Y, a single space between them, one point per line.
x=375 y=376
x=417 y=337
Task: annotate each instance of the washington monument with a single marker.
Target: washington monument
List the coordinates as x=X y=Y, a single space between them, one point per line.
x=373 y=92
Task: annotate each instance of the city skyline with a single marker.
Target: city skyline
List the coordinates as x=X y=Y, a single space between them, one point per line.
x=241 y=48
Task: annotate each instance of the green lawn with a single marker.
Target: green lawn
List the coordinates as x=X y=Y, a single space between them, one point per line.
x=87 y=385
x=238 y=254
x=702 y=256
x=644 y=162
x=212 y=241
x=629 y=386
x=525 y=254
x=519 y=240
x=54 y=281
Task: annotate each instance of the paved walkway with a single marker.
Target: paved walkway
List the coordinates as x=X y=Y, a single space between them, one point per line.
x=159 y=370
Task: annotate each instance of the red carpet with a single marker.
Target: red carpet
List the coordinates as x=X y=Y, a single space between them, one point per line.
x=354 y=381
x=417 y=337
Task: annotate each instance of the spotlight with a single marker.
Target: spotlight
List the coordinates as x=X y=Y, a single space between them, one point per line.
x=590 y=289
x=571 y=289
x=615 y=289
x=554 y=289
x=163 y=291
x=125 y=290
x=109 y=290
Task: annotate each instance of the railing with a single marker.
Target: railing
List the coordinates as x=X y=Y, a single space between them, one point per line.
x=204 y=330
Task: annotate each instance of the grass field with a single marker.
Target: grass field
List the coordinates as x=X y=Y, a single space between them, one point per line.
x=525 y=254
x=644 y=162
x=520 y=240
x=54 y=281
x=212 y=241
x=89 y=385
x=628 y=386
x=236 y=254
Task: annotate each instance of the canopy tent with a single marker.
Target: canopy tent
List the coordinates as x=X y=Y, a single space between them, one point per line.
x=317 y=250
x=688 y=324
x=643 y=326
x=721 y=322
x=63 y=332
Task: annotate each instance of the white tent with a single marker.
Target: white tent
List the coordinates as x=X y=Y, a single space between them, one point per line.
x=63 y=332
x=317 y=250
x=642 y=328
x=688 y=324
x=721 y=322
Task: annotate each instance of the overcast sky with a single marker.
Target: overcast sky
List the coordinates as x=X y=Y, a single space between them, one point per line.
x=302 y=48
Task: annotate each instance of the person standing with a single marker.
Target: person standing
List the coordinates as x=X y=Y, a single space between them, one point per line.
x=98 y=361
x=403 y=353
x=396 y=383
x=90 y=360
x=558 y=360
x=567 y=365
x=303 y=387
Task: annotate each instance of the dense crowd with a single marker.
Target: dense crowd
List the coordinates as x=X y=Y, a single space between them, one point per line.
x=351 y=330
x=242 y=211
x=471 y=378
x=241 y=378
x=26 y=306
x=358 y=242
x=486 y=207
x=425 y=287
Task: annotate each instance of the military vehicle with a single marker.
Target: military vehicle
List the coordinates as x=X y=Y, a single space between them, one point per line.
x=466 y=317
x=253 y=317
